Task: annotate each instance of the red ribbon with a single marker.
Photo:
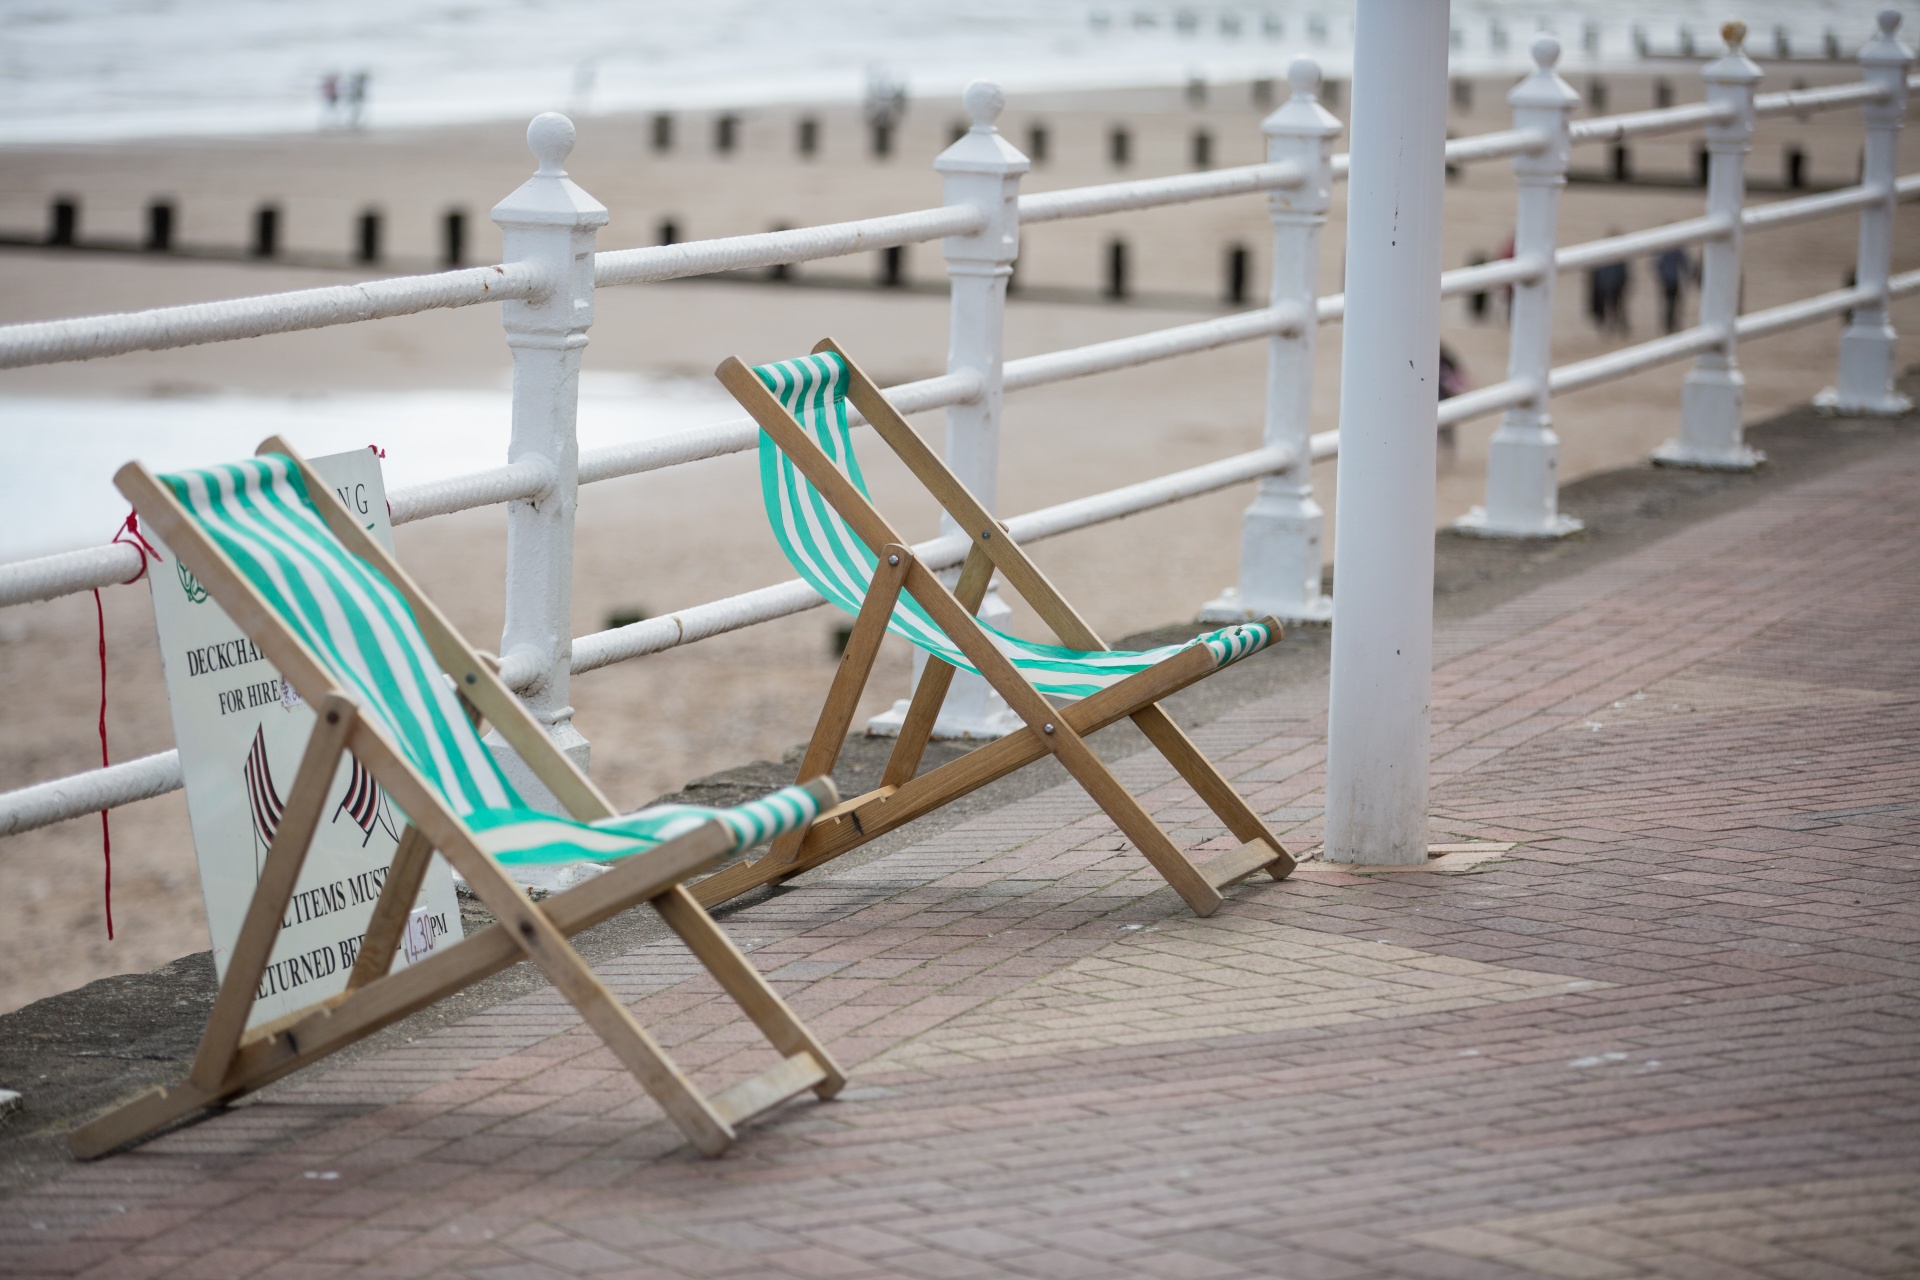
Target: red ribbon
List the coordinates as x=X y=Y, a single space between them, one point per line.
x=129 y=534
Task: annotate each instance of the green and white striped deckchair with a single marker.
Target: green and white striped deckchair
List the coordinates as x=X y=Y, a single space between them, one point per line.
x=825 y=522
x=394 y=684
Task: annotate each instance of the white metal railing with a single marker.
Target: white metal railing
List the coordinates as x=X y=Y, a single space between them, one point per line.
x=549 y=260
x=94 y=336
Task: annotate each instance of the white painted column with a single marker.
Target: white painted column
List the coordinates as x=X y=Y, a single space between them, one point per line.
x=1389 y=367
x=1865 y=384
x=1712 y=401
x=550 y=222
x=1523 y=458
x=1280 y=533
x=981 y=169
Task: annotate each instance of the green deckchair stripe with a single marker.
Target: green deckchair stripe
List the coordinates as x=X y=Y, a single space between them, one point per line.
x=833 y=560
x=362 y=630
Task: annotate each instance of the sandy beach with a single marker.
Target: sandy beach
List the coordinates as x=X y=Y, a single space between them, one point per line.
x=666 y=540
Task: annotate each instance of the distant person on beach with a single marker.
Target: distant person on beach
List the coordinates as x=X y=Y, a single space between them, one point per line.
x=1607 y=286
x=330 y=98
x=357 y=99
x=1675 y=268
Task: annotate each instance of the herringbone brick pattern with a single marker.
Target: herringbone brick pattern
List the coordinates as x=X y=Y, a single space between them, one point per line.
x=1669 y=1032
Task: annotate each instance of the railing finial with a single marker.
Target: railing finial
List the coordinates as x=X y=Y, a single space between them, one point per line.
x=984 y=101
x=550 y=137
x=1303 y=77
x=1889 y=20
x=1546 y=52
x=1735 y=34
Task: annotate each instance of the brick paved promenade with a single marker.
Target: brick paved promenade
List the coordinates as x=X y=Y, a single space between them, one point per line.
x=1670 y=1033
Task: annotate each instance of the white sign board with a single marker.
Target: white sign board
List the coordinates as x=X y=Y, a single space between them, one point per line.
x=241 y=734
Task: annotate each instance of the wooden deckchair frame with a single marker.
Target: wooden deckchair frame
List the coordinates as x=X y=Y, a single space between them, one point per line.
x=901 y=796
x=232 y=1061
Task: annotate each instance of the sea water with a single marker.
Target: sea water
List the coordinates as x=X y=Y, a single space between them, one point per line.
x=61 y=452
x=96 y=69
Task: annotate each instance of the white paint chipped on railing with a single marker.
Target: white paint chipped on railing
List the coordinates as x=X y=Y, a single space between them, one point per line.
x=1640 y=124
x=1161 y=344
x=1489 y=275
x=685 y=626
x=527 y=480
x=783 y=248
x=89 y=337
x=1147 y=193
x=88 y=569
x=1791 y=315
x=1645 y=355
x=1799 y=101
x=82 y=793
x=1500 y=145
x=1785 y=213
x=1485 y=400
x=1633 y=244
x=1496 y=146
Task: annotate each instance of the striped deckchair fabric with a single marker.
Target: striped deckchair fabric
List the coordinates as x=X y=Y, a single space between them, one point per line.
x=363 y=632
x=836 y=563
x=394 y=687
x=824 y=519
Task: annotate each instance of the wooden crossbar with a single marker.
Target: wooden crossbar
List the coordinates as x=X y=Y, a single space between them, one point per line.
x=232 y=1061
x=902 y=796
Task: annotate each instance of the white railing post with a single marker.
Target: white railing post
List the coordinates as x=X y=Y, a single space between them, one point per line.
x=550 y=223
x=1381 y=682
x=982 y=169
x=1715 y=391
x=1865 y=382
x=1280 y=533
x=1523 y=458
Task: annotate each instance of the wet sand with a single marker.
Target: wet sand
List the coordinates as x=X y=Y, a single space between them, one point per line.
x=667 y=540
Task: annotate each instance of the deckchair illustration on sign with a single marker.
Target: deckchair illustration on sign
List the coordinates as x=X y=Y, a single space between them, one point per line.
x=395 y=685
x=825 y=522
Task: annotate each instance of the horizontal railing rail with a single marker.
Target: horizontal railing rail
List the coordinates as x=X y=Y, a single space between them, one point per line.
x=1641 y=124
x=1149 y=193
x=1807 y=101
x=783 y=248
x=90 y=337
x=79 y=794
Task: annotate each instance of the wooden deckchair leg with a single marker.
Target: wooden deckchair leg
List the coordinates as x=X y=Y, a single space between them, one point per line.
x=285 y=857
x=1219 y=794
x=409 y=867
x=547 y=947
x=850 y=681
x=829 y=731
x=610 y=1019
x=1058 y=736
x=743 y=982
x=930 y=694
